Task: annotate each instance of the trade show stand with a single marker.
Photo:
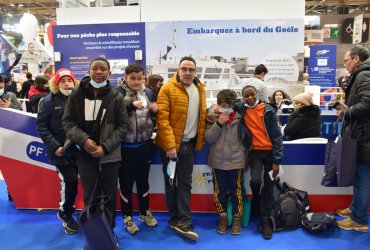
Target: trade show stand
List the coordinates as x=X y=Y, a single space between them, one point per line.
x=33 y=183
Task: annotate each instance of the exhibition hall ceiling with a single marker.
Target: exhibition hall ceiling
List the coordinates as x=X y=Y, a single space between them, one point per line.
x=44 y=10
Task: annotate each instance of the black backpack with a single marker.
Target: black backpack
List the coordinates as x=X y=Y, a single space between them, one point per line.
x=318 y=222
x=288 y=209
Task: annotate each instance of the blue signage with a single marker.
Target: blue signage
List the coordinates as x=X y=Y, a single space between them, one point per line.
x=120 y=44
x=322 y=65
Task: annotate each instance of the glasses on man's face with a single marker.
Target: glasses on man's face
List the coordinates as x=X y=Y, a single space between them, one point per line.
x=185 y=70
x=346 y=59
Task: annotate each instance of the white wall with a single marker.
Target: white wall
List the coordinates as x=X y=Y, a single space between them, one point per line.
x=176 y=10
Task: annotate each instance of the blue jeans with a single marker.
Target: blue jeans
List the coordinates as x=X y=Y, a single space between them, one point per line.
x=361 y=194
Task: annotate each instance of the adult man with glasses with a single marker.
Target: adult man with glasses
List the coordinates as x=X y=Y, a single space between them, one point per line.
x=357 y=98
x=180 y=131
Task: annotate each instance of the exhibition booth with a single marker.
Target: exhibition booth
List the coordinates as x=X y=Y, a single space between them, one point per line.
x=227 y=43
x=34 y=183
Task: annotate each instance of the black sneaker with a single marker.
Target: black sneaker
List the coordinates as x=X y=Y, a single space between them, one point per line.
x=71 y=226
x=266 y=228
x=173 y=221
x=187 y=231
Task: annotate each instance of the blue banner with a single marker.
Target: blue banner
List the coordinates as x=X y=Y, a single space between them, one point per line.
x=118 y=43
x=322 y=65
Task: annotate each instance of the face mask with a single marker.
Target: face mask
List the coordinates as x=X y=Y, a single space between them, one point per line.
x=98 y=85
x=1 y=91
x=226 y=111
x=171 y=169
x=65 y=92
x=252 y=106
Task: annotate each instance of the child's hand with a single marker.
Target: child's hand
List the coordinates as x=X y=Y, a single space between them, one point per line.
x=153 y=107
x=223 y=118
x=138 y=104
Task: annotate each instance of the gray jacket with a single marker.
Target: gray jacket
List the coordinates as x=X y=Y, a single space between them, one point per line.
x=227 y=151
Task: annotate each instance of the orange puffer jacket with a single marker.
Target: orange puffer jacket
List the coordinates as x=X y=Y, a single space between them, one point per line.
x=172 y=111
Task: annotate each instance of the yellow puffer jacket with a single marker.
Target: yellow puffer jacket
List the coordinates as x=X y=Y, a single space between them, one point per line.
x=172 y=111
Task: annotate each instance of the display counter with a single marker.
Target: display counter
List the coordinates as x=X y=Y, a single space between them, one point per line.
x=33 y=183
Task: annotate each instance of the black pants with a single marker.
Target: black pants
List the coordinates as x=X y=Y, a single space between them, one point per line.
x=135 y=167
x=69 y=181
x=89 y=171
x=228 y=183
x=261 y=163
x=178 y=194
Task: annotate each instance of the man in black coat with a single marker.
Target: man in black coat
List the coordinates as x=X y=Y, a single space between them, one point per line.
x=357 y=98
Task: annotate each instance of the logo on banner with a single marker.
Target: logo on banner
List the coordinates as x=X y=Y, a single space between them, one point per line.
x=202 y=178
x=37 y=152
x=322 y=52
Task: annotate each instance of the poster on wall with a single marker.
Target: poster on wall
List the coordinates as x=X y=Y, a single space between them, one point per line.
x=228 y=51
x=348 y=30
x=357 y=29
x=322 y=65
x=118 y=43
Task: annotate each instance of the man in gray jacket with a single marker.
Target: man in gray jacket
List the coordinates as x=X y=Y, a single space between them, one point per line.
x=357 y=98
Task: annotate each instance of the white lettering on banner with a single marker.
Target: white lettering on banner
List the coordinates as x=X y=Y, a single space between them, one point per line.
x=36 y=150
x=98 y=35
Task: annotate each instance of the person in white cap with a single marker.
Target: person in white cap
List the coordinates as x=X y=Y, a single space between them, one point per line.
x=50 y=129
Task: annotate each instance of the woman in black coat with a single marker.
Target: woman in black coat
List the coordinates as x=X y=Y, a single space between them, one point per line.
x=304 y=122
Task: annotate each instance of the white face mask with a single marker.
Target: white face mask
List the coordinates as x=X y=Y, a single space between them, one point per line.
x=171 y=169
x=98 y=85
x=65 y=92
x=1 y=91
x=252 y=106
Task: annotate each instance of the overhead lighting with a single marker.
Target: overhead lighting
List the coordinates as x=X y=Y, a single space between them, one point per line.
x=9 y=15
x=20 y=5
x=331 y=25
x=11 y=5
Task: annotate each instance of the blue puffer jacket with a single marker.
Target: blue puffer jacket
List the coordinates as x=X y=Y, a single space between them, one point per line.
x=272 y=129
x=50 y=129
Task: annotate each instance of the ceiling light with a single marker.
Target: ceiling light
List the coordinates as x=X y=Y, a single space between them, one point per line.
x=11 y=5
x=9 y=14
x=331 y=25
x=20 y=5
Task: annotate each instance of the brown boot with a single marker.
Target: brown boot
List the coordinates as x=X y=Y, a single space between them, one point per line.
x=236 y=227
x=222 y=224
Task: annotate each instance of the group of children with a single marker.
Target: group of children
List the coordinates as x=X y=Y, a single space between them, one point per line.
x=112 y=129
x=243 y=134
x=107 y=125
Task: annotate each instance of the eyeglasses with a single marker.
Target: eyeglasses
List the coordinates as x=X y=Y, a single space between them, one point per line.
x=185 y=69
x=346 y=59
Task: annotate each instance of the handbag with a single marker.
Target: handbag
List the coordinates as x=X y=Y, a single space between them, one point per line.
x=340 y=158
x=330 y=172
x=346 y=156
x=94 y=223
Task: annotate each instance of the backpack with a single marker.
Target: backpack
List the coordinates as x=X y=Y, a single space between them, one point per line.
x=288 y=209
x=149 y=93
x=318 y=222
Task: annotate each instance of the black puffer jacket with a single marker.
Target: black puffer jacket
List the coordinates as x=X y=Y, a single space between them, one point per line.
x=79 y=125
x=358 y=99
x=304 y=123
x=50 y=129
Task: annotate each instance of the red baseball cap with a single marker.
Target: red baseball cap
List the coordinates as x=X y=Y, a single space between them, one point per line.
x=64 y=72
